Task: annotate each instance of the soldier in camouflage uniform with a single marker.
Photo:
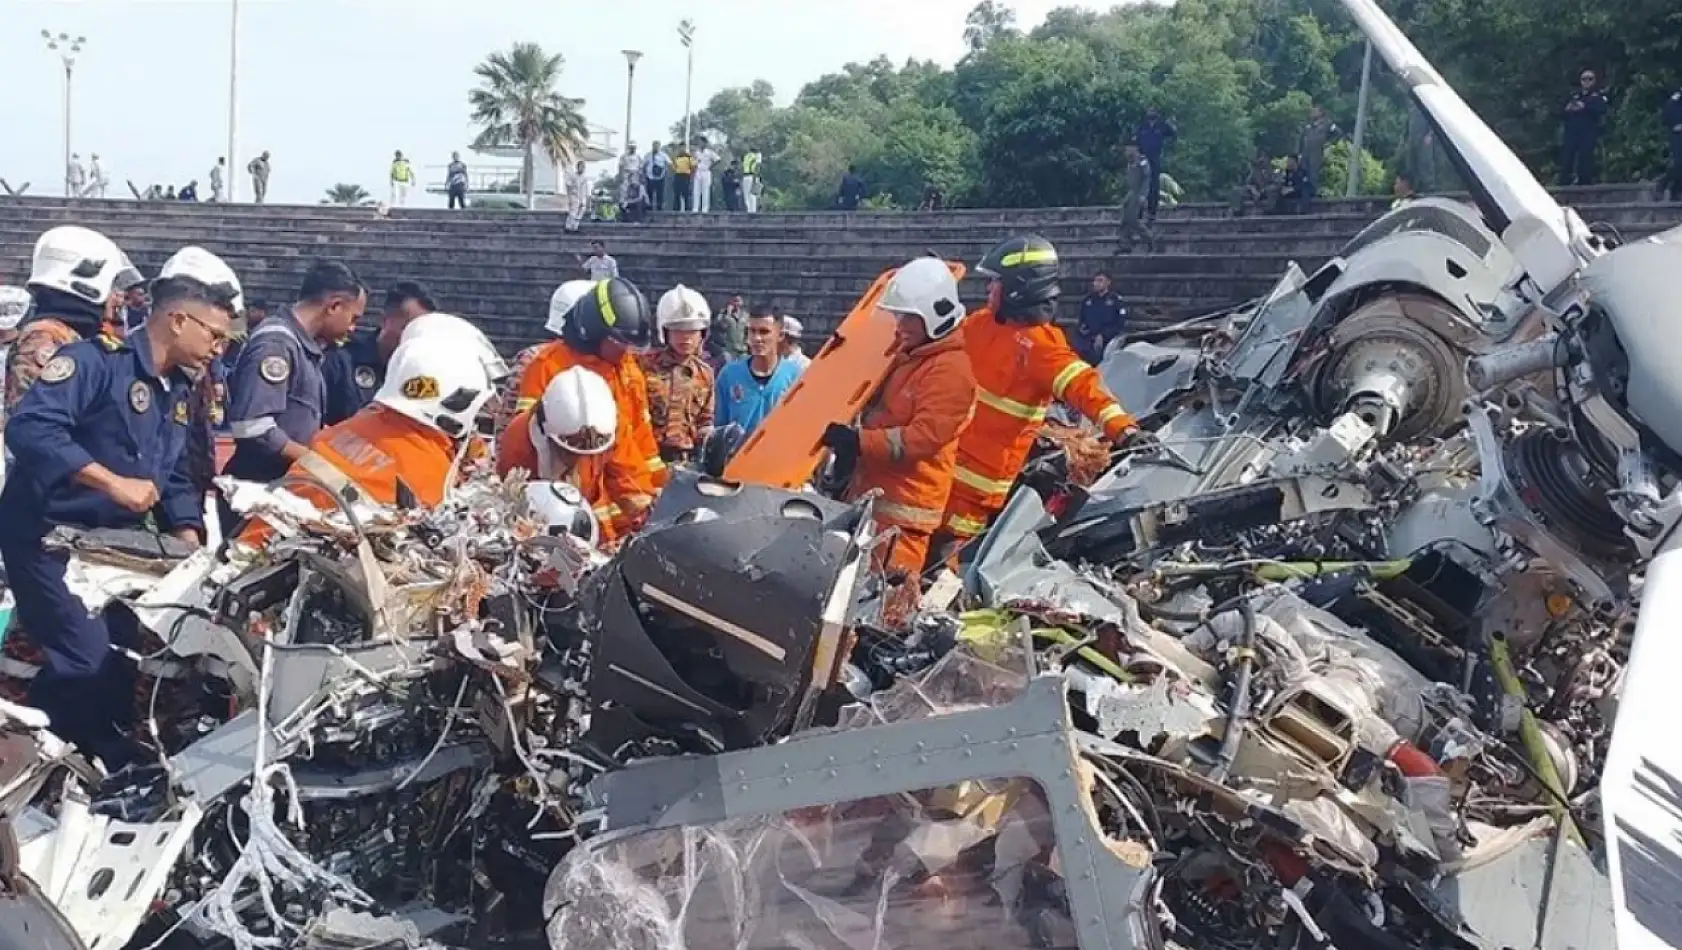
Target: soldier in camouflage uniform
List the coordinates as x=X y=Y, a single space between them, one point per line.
x=680 y=383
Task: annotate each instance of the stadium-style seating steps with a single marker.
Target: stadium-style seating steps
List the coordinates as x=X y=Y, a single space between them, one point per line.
x=499 y=267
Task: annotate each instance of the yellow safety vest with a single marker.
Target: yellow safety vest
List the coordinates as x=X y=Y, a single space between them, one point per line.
x=400 y=171
x=750 y=163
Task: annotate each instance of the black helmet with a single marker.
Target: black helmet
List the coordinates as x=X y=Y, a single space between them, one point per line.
x=615 y=309
x=1027 y=267
x=719 y=447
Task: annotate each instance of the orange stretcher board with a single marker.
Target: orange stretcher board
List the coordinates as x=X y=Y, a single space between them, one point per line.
x=785 y=451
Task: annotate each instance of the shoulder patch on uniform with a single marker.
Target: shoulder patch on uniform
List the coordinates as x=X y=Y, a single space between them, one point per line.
x=275 y=369
x=111 y=342
x=57 y=370
x=181 y=414
x=365 y=377
x=139 y=396
x=420 y=387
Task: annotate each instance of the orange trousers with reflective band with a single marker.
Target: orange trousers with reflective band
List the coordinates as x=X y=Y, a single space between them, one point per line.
x=968 y=510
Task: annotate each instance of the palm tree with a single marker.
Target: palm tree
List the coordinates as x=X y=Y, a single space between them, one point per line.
x=351 y=196
x=517 y=104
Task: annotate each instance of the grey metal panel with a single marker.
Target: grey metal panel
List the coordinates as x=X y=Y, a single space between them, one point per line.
x=1029 y=738
x=1635 y=286
x=1511 y=902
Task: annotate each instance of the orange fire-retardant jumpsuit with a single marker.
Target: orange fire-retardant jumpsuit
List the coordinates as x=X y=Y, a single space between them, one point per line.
x=908 y=443
x=1019 y=369
x=606 y=481
x=372 y=450
x=630 y=394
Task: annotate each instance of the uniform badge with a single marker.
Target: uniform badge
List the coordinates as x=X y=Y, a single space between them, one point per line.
x=58 y=369
x=181 y=414
x=737 y=393
x=420 y=387
x=365 y=377
x=275 y=369
x=139 y=396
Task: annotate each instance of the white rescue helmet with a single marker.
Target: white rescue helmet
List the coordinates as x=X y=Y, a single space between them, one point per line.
x=682 y=309
x=561 y=301
x=925 y=288
x=209 y=270
x=578 y=412
x=77 y=261
x=561 y=509
x=428 y=381
x=466 y=337
x=14 y=305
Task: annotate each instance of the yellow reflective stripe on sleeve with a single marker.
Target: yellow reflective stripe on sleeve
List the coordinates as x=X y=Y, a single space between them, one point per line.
x=608 y=512
x=604 y=301
x=980 y=482
x=521 y=405
x=908 y=515
x=896 y=445
x=1067 y=376
x=656 y=463
x=965 y=527
x=1010 y=407
x=1040 y=255
x=1110 y=413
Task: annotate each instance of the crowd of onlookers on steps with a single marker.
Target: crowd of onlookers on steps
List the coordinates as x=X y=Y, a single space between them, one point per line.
x=702 y=178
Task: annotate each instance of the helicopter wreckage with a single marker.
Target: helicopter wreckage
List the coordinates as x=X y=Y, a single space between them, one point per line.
x=1359 y=655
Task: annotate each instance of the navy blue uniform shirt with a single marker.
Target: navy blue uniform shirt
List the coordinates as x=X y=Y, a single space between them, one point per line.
x=276 y=394
x=353 y=371
x=99 y=401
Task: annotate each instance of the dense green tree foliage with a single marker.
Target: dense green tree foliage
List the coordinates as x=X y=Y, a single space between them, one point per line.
x=1038 y=118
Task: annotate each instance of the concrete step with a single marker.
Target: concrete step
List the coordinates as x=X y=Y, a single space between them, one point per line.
x=1574 y=196
x=320 y=219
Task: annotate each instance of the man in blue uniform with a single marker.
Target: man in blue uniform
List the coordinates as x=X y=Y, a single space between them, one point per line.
x=276 y=394
x=1102 y=319
x=99 y=442
x=355 y=369
x=1154 y=136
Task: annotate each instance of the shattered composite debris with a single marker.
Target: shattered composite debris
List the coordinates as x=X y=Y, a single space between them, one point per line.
x=1337 y=663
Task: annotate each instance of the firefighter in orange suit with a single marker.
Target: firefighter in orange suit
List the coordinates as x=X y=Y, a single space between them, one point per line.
x=906 y=443
x=602 y=332
x=570 y=436
x=411 y=432
x=1022 y=362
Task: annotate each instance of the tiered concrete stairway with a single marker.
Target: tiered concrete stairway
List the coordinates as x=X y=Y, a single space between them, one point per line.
x=500 y=267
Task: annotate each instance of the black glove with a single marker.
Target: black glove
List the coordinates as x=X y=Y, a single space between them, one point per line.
x=842 y=440
x=1137 y=441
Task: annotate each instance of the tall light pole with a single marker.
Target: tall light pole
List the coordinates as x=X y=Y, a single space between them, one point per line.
x=231 y=176
x=631 y=57
x=1359 y=141
x=67 y=48
x=686 y=33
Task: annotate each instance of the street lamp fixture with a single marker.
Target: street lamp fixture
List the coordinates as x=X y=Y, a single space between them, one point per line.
x=686 y=33
x=68 y=48
x=631 y=57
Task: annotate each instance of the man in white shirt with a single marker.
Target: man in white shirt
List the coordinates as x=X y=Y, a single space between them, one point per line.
x=792 y=351
x=629 y=164
x=75 y=178
x=600 y=265
x=705 y=159
x=578 y=196
x=216 y=180
x=750 y=180
x=96 y=179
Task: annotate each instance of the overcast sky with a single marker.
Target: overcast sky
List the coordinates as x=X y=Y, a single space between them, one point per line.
x=331 y=87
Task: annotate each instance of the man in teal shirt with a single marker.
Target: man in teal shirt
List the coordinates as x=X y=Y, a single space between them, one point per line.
x=751 y=386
